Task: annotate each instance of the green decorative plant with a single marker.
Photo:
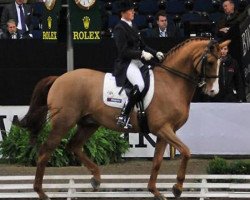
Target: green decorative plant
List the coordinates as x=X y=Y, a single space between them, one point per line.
x=221 y=166
x=240 y=167
x=218 y=166
x=105 y=146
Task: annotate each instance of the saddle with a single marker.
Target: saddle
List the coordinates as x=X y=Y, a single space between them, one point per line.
x=117 y=96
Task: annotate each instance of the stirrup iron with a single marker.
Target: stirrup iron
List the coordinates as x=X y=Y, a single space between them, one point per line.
x=123 y=121
x=127 y=124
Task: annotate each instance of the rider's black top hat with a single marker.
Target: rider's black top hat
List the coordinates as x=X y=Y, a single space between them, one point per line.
x=125 y=5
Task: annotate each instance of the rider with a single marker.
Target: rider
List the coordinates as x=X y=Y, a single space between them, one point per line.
x=131 y=50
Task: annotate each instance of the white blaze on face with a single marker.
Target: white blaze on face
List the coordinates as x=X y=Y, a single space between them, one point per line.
x=215 y=86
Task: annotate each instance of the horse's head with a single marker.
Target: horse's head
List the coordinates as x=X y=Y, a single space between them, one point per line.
x=208 y=67
x=197 y=60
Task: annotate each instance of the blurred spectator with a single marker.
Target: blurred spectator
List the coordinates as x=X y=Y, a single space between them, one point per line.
x=228 y=28
x=230 y=82
x=227 y=25
x=163 y=27
x=12 y=32
x=21 y=13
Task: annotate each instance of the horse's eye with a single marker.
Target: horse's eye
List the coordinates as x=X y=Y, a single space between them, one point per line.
x=210 y=63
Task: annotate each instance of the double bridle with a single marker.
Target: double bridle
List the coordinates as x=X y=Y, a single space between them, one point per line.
x=201 y=80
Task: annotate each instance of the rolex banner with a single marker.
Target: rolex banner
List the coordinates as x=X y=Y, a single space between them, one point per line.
x=51 y=10
x=85 y=20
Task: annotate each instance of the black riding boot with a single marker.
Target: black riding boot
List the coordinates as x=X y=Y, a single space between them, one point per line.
x=134 y=96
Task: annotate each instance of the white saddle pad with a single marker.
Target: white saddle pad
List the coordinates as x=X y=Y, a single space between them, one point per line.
x=111 y=96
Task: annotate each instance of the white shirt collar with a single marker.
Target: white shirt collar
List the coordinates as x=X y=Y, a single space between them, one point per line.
x=128 y=22
x=164 y=31
x=17 y=5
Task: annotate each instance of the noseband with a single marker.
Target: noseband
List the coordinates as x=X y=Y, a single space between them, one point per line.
x=203 y=61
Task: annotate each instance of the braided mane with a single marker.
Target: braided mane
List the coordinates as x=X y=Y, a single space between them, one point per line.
x=171 y=51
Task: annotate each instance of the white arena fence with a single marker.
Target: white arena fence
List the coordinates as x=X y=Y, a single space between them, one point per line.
x=70 y=187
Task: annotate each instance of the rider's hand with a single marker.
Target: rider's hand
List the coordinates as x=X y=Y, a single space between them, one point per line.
x=160 y=55
x=146 y=55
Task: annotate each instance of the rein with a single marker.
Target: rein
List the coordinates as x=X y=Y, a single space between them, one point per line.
x=202 y=77
x=191 y=79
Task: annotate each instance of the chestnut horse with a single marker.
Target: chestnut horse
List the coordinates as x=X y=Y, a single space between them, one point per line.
x=75 y=98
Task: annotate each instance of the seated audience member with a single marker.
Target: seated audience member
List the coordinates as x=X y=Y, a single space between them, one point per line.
x=12 y=32
x=228 y=29
x=230 y=82
x=162 y=28
x=21 y=13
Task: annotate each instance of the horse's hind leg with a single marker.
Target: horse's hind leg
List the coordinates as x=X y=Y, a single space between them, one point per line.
x=157 y=160
x=169 y=135
x=76 y=145
x=53 y=140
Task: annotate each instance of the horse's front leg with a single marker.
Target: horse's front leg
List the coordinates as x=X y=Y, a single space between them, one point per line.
x=169 y=135
x=75 y=145
x=158 y=156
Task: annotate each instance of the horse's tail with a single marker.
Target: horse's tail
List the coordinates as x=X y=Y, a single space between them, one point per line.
x=37 y=113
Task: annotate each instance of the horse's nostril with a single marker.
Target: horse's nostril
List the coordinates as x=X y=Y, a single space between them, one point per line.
x=212 y=91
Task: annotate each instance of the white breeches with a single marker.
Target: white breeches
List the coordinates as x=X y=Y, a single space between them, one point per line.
x=134 y=75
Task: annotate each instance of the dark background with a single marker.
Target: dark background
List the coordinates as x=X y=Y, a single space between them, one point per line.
x=24 y=62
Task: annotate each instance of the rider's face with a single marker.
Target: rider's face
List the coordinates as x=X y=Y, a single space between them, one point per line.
x=128 y=14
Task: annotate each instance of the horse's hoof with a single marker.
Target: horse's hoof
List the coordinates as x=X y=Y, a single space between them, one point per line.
x=176 y=191
x=160 y=197
x=95 y=184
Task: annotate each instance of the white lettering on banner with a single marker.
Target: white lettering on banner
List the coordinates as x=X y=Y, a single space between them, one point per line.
x=212 y=128
x=245 y=37
x=8 y=114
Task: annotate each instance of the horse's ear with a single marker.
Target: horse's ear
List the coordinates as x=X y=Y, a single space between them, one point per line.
x=225 y=43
